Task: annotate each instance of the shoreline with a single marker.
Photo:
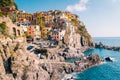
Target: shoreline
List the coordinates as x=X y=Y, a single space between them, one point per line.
x=68 y=76
x=101 y=45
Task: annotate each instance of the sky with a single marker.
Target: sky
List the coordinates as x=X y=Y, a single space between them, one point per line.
x=101 y=17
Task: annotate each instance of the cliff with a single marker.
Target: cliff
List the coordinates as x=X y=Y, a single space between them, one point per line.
x=77 y=36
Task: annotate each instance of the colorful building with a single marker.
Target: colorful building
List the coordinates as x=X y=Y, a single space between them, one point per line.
x=21 y=15
x=46 y=21
x=30 y=31
x=70 y=16
x=37 y=31
x=54 y=35
x=44 y=32
x=34 y=31
x=38 y=18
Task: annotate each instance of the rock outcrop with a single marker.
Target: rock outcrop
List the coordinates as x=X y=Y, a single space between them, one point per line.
x=74 y=38
x=87 y=62
x=101 y=45
x=18 y=64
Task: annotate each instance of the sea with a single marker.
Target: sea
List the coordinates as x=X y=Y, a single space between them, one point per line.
x=107 y=70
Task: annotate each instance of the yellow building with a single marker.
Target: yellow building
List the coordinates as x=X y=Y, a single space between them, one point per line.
x=44 y=32
x=21 y=15
x=70 y=16
x=39 y=19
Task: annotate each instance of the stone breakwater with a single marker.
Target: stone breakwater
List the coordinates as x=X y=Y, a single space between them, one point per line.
x=101 y=45
x=18 y=64
x=83 y=64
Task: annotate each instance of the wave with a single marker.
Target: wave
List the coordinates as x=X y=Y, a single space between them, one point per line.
x=113 y=59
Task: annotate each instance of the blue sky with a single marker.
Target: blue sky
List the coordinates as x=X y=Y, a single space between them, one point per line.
x=101 y=17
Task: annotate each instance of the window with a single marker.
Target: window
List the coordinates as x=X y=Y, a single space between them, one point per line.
x=14 y=31
x=18 y=32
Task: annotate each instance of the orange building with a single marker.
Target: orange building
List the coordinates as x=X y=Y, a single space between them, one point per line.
x=34 y=31
x=30 y=31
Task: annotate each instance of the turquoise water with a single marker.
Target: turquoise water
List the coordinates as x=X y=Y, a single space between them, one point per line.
x=108 y=70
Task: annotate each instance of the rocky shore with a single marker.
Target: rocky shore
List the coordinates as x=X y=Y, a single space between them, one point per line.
x=85 y=63
x=19 y=64
x=101 y=45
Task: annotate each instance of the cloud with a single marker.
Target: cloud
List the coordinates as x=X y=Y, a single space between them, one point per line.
x=78 y=7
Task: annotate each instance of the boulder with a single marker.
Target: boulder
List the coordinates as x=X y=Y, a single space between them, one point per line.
x=109 y=59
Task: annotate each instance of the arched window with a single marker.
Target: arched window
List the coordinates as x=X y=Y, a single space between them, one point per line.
x=14 y=32
x=18 y=32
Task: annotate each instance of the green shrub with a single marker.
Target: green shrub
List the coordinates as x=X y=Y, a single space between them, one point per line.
x=1 y=14
x=3 y=28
